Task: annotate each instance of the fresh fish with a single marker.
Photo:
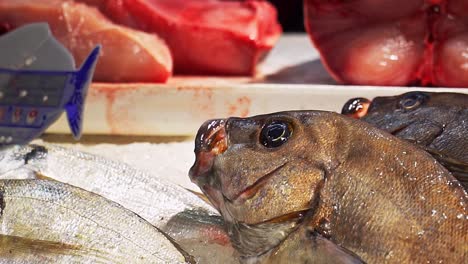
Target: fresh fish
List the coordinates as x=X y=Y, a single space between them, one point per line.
x=318 y=187
x=148 y=196
x=51 y=222
x=162 y=203
x=438 y=122
x=203 y=236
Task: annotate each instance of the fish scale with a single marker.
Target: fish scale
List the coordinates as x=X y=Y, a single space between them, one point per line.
x=437 y=122
x=354 y=191
x=162 y=203
x=152 y=198
x=59 y=223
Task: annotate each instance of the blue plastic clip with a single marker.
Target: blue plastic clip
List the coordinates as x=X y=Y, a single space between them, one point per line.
x=37 y=83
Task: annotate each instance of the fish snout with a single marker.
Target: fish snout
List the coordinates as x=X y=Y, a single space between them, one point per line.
x=210 y=141
x=356 y=107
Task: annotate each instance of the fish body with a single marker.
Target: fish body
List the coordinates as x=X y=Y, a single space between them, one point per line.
x=51 y=222
x=162 y=203
x=154 y=199
x=438 y=122
x=319 y=187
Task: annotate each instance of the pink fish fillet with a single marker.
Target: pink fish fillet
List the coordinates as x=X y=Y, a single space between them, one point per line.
x=128 y=55
x=392 y=42
x=204 y=36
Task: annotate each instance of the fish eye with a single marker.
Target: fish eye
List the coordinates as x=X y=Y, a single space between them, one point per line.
x=412 y=101
x=356 y=107
x=275 y=134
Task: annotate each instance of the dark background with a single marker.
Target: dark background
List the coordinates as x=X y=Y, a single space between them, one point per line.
x=290 y=14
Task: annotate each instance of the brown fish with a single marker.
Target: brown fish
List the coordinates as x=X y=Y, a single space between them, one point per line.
x=319 y=187
x=438 y=122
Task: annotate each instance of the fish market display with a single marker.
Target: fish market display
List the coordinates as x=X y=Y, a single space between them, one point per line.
x=127 y=55
x=319 y=187
x=51 y=222
x=204 y=36
x=182 y=214
x=391 y=42
x=148 y=196
x=436 y=121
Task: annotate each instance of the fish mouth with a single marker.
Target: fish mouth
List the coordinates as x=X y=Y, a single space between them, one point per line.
x=254 y=188
x=211 y=141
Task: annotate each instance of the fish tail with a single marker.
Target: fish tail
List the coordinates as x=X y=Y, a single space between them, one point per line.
x=75 y=106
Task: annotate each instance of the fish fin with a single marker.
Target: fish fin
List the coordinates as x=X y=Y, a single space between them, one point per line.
x=331 y=252
x=305 y=246
x=41 y=176
x=14 y=246
x=458 y=168
x=188 y=258
x=201 y=196
x=75 y=106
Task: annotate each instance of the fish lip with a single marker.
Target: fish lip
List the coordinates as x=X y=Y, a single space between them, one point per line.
x=211 y=141
x=250 y=191
x=209 y=130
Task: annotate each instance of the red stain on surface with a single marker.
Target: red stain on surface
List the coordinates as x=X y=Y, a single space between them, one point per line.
x=198 y=91
x=202 y=97
x=241 y=107
x=112 y=92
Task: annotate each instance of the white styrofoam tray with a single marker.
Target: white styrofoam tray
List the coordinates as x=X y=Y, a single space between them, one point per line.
x=292 y=78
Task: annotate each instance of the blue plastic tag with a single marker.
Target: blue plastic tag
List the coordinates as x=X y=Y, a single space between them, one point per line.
x=32 y=99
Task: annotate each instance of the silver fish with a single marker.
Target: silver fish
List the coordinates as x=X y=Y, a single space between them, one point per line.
x=153 y=199
x=162 y=203
x=44 y=221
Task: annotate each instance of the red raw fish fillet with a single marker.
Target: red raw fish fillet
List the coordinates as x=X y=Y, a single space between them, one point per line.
x=391 y=42
x=127 y=55
x=205 y=36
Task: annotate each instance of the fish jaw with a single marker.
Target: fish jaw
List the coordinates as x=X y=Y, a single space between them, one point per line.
x=209 y=143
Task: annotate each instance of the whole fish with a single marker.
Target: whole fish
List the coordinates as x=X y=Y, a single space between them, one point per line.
x=157 y=201
x=438 y=122
x=51 y=222
x=152 y=198
x=319 y=187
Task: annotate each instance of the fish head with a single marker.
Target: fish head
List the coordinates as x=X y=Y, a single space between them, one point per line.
x=415 y=116
x=265 y=168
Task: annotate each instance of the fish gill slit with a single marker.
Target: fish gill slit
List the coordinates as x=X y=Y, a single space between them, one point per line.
x=399 y=129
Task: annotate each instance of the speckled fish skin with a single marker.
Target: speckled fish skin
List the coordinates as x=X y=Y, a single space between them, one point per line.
x=51 y=222
x=337 y=191
x=437 y=121
x=161 y=203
